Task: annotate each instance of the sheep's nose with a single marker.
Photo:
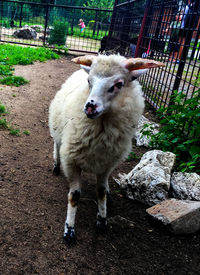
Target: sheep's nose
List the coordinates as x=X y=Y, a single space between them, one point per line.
x=91 y=109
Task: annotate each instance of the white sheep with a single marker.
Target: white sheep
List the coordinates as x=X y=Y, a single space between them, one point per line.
x=92 y=120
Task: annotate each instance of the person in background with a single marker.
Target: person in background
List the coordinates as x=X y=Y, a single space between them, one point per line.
x=82 y=25
x=174 y=28
x=186 y=24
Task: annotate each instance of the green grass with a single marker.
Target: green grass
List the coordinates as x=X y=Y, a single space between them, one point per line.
x=17 y=55
x=87 y=33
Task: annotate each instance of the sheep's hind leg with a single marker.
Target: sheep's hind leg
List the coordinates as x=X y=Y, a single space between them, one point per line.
x=102 y=190
x=73 y=198
x=56 y=157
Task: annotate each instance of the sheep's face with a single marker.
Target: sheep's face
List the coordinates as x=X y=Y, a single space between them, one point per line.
x=108 y=75
x=102 y=92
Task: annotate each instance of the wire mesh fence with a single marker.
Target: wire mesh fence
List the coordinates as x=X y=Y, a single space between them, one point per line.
x=168 y=31
x=165 y=30
x=17 y=17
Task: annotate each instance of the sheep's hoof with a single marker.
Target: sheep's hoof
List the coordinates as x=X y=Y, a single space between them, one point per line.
x=101 y=225
x=56 y=170
x=69 y=237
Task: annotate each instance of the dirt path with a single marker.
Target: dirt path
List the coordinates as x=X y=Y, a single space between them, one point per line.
x=33 y=201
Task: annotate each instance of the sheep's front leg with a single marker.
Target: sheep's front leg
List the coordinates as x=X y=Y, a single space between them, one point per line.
x=73 y=198
x=102 y=190
x=56 y=157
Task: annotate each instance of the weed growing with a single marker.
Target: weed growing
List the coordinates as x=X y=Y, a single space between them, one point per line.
x=180 y=131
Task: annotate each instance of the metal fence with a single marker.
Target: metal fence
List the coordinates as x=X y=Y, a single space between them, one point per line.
x=139 y=28
x=15 y=15
x=159 y=32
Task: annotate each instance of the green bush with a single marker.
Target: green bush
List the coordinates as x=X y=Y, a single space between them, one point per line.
x=180 y=131
x=91 y=24
x=59 y=33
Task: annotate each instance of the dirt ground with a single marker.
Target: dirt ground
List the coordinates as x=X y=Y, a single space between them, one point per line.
x=33 y=201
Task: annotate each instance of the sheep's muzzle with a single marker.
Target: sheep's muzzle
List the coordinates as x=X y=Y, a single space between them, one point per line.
x=91 y=110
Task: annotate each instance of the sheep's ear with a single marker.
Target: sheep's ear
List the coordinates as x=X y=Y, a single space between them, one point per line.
x=85 y=68
x=138 y=73
x=133 y=64
x=84 y=60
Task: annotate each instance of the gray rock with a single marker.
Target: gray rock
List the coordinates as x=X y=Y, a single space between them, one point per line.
x=142 y=140
x=180 y=217
x=37 y=28
x=25 y=33
x=149 y=181
x=186 y=186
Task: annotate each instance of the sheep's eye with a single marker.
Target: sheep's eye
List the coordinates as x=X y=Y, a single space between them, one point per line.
x=119 y=85
x=111 y=89
x=88 y=82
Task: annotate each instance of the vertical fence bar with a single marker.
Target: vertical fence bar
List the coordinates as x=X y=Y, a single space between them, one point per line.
x=46 y=22
x=184 y=55
x=142 y=28
x=112 y=23
x=20 y=16
x=95 y=22
x=1 y=18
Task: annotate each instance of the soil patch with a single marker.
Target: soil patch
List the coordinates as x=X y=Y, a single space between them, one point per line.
x=33 y=201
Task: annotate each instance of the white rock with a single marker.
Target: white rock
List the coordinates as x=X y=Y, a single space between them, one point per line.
x=149 y=181
x=186 y=186
x=180 y=217
x=144 y=140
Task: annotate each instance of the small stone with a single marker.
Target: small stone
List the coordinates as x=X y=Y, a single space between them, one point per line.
x=180 y=217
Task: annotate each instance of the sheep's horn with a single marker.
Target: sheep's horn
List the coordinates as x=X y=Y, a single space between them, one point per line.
x=84 y=60
x=132 y=64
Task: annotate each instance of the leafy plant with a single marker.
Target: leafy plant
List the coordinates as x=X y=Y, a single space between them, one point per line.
x=27 y=132
x=15 y=132
x=14 y=81
x=180 y=131
x=131 y=156
x=3 y=121
x=59 y=33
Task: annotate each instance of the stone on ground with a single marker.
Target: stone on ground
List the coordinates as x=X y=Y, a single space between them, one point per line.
x=180 y=217
x=186 y=186
x=149 y=181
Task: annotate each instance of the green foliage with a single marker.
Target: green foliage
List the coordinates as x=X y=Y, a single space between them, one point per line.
x=180 y=131
x=131 y=156
x=14 y=132
x=91 y=24
x=103 y=4
x=27 y=132
x=13 y=81
x=13 y=55
x=2 y=109
x=3 y=112
x=59 y=33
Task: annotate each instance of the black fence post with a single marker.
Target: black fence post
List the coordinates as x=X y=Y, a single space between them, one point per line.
x=112 y=23
x=95 y=22
x=20 y=16
x=1 y=18
x=46 y=23
x=72 y=23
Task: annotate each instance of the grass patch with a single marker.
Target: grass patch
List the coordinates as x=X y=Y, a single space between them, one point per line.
x=17 y=55
x=13 y=81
